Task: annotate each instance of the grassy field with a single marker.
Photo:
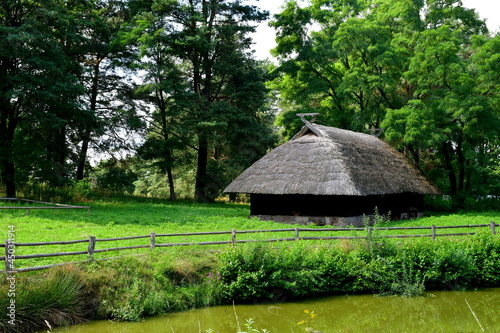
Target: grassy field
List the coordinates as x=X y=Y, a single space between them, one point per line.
x=133 y=218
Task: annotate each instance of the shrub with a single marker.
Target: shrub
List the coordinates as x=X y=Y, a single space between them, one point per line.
x=146 y=286
x=261 y=272
x=482 y=204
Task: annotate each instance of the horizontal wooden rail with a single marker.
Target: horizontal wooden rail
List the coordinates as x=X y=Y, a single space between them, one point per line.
x=196 y=233
x=198 y=243
x=51 y=243
x=46 y=255
x=10 y=257
x=122 y=238
x=51 y=205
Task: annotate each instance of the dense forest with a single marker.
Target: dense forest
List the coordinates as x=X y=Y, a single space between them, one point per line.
x=165 y=97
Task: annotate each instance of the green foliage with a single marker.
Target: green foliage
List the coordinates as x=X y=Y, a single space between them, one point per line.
x=421 y=70
x=444 y=204
x=114 y=175
x=249 y=329
x=482 y=204
x=263 y=272
x=133 y=288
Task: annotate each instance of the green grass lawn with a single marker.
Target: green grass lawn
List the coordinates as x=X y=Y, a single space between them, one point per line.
x=121 y=219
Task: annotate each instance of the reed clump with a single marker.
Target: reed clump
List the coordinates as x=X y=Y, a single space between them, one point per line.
x=59 y=297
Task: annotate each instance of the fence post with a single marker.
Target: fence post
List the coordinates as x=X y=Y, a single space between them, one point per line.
x=433 y=227
x=492 y=226
x=296 y=233
x=91 y=246
x=233 y=236
x=152 y=244
x=27 y=212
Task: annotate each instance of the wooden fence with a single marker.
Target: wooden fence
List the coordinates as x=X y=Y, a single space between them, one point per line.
x=50 y=205
x=10 y=247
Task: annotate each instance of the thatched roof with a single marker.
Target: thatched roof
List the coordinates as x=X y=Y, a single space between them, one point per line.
x=322 y=160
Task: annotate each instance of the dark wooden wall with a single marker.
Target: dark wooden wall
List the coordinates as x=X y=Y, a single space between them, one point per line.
x=310 y=205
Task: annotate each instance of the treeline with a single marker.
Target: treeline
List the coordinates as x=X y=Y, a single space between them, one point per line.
x=173 y=83
x=169 y=95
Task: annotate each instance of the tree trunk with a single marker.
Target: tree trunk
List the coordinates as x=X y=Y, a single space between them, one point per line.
x=416 y=156
x=170 y=175
x=82 y=158
x=201 y=171
x=461 y=164
x=8 y=124
x=8 y=177
x=449 y=167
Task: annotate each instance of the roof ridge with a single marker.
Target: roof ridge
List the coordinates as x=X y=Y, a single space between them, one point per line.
x=308 y=127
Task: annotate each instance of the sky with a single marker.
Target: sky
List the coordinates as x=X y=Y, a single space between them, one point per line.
x=264 y=37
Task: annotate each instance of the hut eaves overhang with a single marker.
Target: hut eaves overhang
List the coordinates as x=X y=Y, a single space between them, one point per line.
x=323 y=160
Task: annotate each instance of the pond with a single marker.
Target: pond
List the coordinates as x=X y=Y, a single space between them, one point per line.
x=439 y=311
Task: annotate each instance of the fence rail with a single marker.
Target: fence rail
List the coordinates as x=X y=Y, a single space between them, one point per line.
x=51 y=205
x=10 y=247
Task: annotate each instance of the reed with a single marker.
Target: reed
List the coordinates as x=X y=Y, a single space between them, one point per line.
x=58 y=298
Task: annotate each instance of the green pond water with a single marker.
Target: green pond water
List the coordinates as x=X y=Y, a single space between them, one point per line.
x=440 y=311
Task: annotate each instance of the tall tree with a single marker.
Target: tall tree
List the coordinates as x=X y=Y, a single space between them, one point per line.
x=38 y=86
x=104 y=56
x=164 y=86
x=197 y=53
x=213 y=39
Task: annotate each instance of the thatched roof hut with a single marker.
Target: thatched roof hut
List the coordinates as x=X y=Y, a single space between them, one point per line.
x=326 y=171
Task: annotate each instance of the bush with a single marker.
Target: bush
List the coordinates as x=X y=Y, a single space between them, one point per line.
x=147 y=286
x=439 y=203
x=482 y=204
x=261 y=272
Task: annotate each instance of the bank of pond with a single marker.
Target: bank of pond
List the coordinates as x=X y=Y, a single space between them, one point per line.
x=278 y=280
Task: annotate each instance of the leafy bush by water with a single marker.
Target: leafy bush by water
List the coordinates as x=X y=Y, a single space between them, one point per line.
x=264 y=272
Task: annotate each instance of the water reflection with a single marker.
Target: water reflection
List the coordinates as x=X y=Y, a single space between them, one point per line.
x=436 y=312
